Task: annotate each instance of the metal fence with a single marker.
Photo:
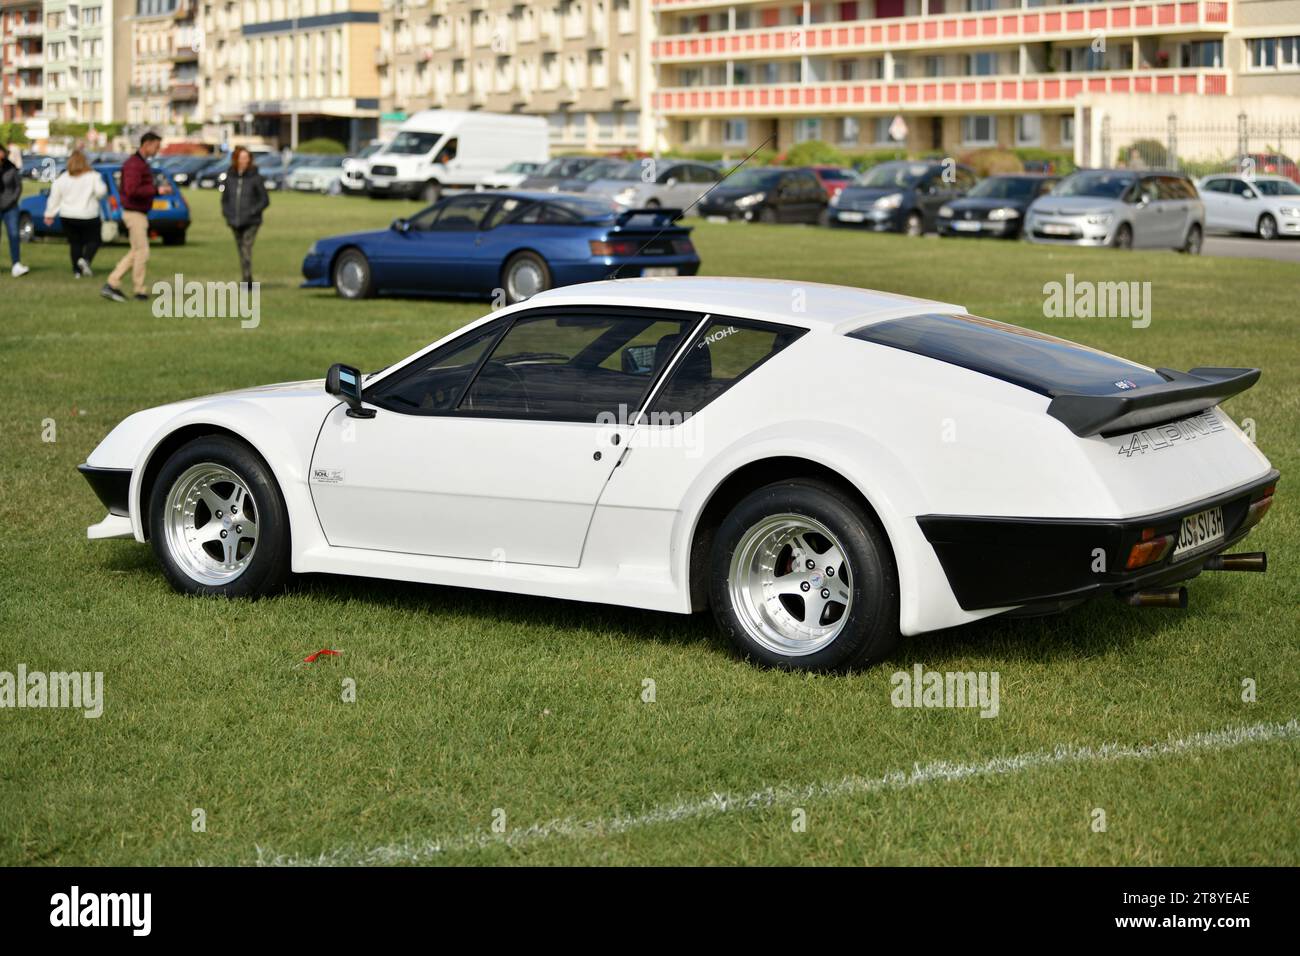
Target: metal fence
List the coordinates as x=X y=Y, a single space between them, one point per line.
x=1250 y=146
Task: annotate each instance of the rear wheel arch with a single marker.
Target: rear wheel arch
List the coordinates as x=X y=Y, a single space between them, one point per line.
x=747 y=479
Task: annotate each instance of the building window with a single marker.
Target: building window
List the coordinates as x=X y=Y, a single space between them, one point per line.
x=807 y=129
x=934 y=66
x=690 y=131
x=735 y=132
x=880 y=131
x=1274 y=53
x=980 y=129
x=1067 y=130
x=981 y=64
x=849 y=131
x=1029 y=129
x=1201 y=54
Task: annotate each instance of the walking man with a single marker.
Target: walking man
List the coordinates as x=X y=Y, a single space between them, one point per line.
x=138 y=191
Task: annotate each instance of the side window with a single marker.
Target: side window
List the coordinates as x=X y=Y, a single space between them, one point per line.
x=584 y=367
x=1236 y=186
x=1046 y=186
x=448 y=152
x=509 y=209
x=464 y=213
x=724 y=353
x=810 y=186
x=965 y=179
x=1216 y=186
x=434 y=383
x=1149 y=188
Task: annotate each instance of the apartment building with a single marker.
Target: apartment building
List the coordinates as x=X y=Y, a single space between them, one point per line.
x=290 y=70
x=22 y=57
x=580 y=63
x=87 y=59
x=961 y=74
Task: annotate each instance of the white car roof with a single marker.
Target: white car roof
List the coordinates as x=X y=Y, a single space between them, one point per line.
x=809 y=304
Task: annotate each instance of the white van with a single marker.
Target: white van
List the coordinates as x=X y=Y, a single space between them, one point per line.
x=438 y=148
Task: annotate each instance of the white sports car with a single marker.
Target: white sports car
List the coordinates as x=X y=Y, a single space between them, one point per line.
x=823 y=467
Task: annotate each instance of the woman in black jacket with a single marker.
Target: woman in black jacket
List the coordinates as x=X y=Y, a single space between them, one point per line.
x=242 y=201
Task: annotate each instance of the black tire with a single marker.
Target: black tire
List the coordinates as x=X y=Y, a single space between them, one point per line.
x=914 y=224
x=26 y=228
x=363 y=286
x=870 y=629
x=520 y=261
x=173 y=238
x=1266 y=228
x=1123 y=237
x=431 y=191
x=1192 y=244
x=652 y=204
x=268 y=567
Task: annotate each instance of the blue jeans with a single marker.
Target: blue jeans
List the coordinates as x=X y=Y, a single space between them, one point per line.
x=10 y=219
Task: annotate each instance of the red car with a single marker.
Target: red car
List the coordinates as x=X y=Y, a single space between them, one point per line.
x=834 y=178
x=1268 y=164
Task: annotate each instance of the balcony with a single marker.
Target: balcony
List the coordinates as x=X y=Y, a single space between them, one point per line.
x=27 y=29
x=929 y=94
x=1066 y=22
x=184 y=92
x=27 y=91
x=27 y=61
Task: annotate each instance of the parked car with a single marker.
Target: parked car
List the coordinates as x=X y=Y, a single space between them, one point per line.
x=509 y=176
x=1266 y=206
x=353 y=179
x=670 y=183
x=767 y=194
x=183 y=168
x=834 y=178
x=212 y=175
x=43 y=169
x=994 y=206
x=1120 y=207
x=550 y=174
x=323 y=174
x=516 y=241
x=901 y=196
x=651 y=443
x=600 y=169
x=168 y=219
x=1267 y=164
x=438 y=149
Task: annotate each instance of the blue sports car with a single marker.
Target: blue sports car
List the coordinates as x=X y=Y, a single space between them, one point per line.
x=168 y=220
x=519 y=242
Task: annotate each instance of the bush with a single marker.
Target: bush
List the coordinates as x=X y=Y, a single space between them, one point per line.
x=815 y=153
x=864 y=161
x=1150 y=153
x=61 y=128
x=1058 y=162
x=322 y=146
x=15 y=133
x=992 y=161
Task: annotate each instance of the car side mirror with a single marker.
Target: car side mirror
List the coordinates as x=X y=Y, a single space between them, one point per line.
x=671 y=181
x=1249 y=194
x=344 y=381
x=401 y=224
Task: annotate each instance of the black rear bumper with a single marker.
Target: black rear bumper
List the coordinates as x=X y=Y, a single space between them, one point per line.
x=111 y=485
x=1007 y=562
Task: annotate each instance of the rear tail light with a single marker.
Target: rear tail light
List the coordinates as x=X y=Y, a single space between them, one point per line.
x=1150 y=550
x=1257 y=509
x=613 y=247
x=112 y=203
x=683 y=247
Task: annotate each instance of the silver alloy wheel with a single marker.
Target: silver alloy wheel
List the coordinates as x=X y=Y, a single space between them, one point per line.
x=524 y=280
x=211 y=525
x=791 y=584
x=351 y=277
x=1267 y=227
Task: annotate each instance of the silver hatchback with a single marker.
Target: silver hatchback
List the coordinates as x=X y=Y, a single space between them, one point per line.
x=1126 y=208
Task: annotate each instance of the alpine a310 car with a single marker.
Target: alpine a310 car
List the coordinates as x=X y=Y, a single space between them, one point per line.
x=825 y=468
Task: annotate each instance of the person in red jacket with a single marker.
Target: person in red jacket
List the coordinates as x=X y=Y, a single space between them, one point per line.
x=138 y=191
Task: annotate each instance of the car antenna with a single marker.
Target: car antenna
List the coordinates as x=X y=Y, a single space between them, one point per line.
x=683 y=212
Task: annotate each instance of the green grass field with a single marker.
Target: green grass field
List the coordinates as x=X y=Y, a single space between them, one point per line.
x=475 y=707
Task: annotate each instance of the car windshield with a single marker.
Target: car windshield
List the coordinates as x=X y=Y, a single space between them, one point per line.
x=893 y=175
x=408 y=143
x=1005 y=187
x=1277 y=187
x=754 y=179
x=370 y=150
x=605 y=169
x=562 y=168
x=1101 y=184
x=519 y=168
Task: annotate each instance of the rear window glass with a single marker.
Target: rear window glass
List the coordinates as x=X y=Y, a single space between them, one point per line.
x=1032 y=360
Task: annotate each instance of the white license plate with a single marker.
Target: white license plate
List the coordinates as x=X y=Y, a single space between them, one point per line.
x=963 y=226
x=1199 y=531
x=1055 y=229
x=659 y=271
x=852 y=217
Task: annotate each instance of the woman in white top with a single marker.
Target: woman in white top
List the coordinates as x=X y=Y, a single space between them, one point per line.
x=74 y=197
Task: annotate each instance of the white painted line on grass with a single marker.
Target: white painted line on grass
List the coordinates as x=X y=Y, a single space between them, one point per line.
x=420 y=851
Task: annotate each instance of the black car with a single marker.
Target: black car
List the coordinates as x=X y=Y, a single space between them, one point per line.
x=901 y=196
x=995 y=207
x=768 y=194
x=184 y=169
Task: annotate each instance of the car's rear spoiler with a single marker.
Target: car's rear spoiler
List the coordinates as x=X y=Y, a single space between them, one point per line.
x=660 y=217
x=1180 y=395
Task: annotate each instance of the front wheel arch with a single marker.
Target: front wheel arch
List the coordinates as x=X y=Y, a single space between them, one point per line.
x=749 y=478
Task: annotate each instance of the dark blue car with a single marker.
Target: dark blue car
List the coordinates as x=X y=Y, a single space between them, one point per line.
x=168 y=220
x=520 y=242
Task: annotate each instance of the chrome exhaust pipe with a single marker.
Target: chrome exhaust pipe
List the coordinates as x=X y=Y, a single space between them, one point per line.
x=1158 y=597
x=1245 y=561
